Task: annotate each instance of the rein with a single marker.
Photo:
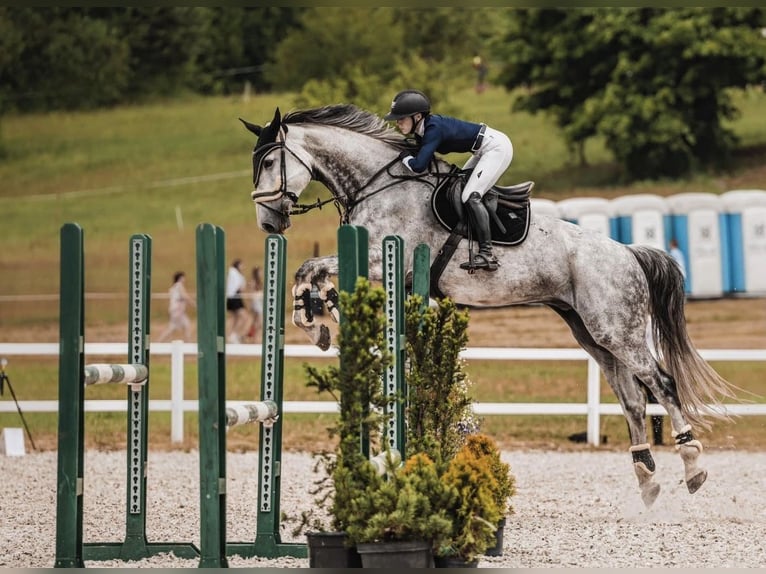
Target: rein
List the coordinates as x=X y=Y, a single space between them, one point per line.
x=344 y=207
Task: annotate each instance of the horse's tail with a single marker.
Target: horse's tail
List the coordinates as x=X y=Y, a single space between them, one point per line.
x=700 y=388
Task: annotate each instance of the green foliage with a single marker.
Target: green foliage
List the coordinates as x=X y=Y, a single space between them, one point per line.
x=504 y=485
x=439 y=414
x=61 y=59
x=333 y=57
x=474 y=511
x=655 y=83
x=411 y=505
x=356 y=384
x=452 y=503
x=330 y=41
x=374 y=91
x=57 y=58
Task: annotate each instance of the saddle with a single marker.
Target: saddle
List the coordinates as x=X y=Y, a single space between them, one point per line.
x=508 y=208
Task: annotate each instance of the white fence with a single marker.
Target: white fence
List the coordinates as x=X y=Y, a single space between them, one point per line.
x=593 y=408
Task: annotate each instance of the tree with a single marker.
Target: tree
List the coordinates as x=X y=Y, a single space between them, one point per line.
x=332 y=56
x=165 y=46
x=655 y=83
x=60 y=59
x=79 y=58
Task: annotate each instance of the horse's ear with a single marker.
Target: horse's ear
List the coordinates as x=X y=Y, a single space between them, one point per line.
x=277 y=123
x=252 y=127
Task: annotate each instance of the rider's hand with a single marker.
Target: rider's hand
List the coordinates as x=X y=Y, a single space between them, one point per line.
x=406 y=159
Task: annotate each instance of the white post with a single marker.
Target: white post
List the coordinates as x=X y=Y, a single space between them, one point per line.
x=594 y=401
x=177 y=391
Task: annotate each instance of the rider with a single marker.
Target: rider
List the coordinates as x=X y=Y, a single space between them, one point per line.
x=492 y=154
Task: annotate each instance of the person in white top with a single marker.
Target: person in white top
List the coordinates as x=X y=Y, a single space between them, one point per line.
x=179 y=300
x=235 y=285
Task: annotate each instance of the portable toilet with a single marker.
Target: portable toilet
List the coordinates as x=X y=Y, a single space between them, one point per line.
x=745 y=212
x=541 y=206
x=643 y=219
x=593 y=213
x=699 y=226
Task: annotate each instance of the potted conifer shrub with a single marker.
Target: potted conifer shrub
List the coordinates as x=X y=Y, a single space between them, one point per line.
x=356 y=384
x=441 y=423
x=474 y=511
x=399 y=520
x=504 y=486
x=439 y=412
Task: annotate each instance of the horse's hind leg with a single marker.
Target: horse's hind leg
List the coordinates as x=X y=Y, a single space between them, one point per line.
x=663 y=387
x=632 y=399
x=690 y=449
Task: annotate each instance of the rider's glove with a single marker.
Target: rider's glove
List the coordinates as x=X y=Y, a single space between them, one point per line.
x=406 y=161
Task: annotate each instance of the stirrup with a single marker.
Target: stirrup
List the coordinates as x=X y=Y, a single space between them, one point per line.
x=480 y=261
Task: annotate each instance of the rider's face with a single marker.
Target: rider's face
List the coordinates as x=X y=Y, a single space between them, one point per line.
x=407 y=124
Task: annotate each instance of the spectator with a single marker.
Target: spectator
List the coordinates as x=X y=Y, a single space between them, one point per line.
x=179 y=300
x=481 y=73
x=235 y=285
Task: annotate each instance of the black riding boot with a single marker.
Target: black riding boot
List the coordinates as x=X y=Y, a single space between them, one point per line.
x=479 y=218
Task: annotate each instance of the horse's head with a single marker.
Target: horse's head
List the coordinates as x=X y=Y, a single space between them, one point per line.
x=279 y=175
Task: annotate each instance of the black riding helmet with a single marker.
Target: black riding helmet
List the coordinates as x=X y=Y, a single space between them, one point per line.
x=408 y=103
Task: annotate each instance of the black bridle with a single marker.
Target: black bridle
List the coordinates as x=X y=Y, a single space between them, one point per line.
x=260 y=157
x=344 y=207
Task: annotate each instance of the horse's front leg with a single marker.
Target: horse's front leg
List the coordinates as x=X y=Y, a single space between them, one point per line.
x=317 y=273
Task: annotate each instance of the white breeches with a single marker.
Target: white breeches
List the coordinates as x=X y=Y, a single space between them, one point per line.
x=489 y=162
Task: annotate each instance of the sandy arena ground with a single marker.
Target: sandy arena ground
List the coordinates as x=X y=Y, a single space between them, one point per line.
x=574 y=509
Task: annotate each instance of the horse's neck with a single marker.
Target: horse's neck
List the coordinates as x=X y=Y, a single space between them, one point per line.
x=346 y=162
x=352 y=166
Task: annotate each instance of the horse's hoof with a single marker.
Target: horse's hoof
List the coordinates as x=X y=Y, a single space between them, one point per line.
x=324 y=338
x=694 y=483
x=650 y=494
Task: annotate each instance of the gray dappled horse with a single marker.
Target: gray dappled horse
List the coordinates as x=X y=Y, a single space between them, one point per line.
x=606 y=292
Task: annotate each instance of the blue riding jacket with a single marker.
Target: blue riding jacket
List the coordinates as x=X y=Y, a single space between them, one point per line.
x=445 y=135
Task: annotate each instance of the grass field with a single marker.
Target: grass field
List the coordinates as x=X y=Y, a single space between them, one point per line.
x=161 y=169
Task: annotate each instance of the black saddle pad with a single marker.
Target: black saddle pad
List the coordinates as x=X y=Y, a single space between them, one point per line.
x=509 y=204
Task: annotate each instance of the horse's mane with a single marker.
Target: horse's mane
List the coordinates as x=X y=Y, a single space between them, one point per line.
x=350 y=117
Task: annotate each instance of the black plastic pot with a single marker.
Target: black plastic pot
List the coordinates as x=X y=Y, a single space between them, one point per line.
x=329 y=550
x=393 y=555
x=497 y=549
x=454 y=562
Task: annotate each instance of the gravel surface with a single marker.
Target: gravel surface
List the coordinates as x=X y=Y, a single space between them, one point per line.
x=574 y=509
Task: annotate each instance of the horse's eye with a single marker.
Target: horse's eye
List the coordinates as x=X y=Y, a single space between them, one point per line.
x=268 y=163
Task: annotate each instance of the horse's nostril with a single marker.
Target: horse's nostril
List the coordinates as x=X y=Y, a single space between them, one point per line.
x=269 y=228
